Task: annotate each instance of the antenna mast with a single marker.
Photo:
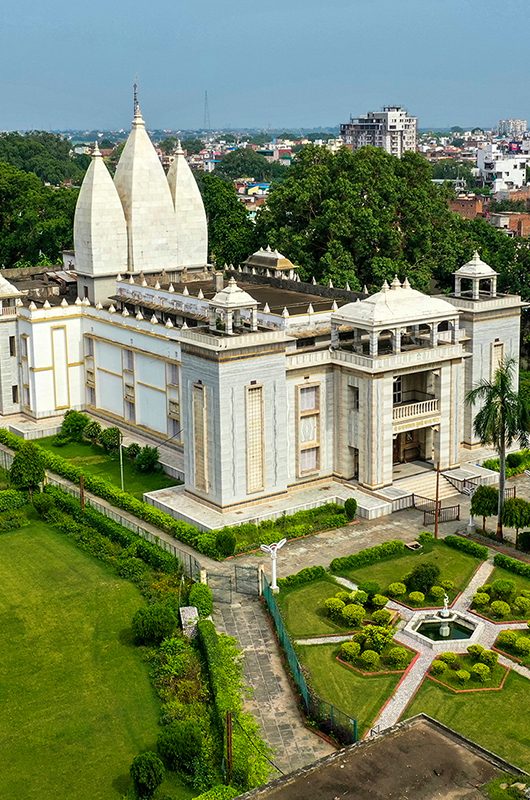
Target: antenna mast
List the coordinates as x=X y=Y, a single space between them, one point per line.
x=207 y=123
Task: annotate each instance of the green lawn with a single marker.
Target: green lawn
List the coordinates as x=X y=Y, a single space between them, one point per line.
x=454 y=565
x=95 y=460
x=303 y=611
x=503 y=574
x=77 y=703
x=358 y=696
x=498 y=721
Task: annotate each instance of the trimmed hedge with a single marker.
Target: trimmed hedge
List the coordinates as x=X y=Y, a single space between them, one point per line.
x=307 y=575
x=512 y=565
x=150 y=553
x=12 y=498
x=250 y=767
x=467 y=546
x=368 y=556
x=219 y=793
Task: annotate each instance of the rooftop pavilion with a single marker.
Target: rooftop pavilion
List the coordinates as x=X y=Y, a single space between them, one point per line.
x=477 y=272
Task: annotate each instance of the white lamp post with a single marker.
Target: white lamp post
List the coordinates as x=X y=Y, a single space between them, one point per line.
x=272 y=549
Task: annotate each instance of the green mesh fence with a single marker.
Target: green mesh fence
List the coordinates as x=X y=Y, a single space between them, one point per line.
x=328 y=718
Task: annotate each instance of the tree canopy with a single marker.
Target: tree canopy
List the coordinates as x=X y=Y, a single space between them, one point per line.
x=230 y=232
x=246 y=163
x=46 y=154
x=363 y=216
x=36 y=221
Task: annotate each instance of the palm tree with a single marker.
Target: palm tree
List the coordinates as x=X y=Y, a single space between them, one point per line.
x=503 y=419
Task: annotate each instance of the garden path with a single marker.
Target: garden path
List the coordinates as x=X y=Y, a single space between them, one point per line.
x=272 y=702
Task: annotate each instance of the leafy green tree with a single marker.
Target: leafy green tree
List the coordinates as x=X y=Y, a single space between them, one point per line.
x=27 y=470
x=48 y=155
x=484 y=503
x=516 y=514
x=230 y=232
x=147 y=459
x=504 y=418
x=36 y=221
x=246 y=163
x=147 y=772
x=74 y=425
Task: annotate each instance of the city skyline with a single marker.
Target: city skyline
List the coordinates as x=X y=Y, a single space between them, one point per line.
x=280 y=65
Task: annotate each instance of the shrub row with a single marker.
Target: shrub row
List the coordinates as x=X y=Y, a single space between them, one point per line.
x=516 y=463
x=219 y=793
x=368 y=556
x=306 y=575
x=183 y=531
x=222 y=658
x=467 y=546
x=12 y=498
x=150 y=553
x=512 y=565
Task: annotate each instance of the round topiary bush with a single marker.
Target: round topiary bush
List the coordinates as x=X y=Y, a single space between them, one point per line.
x=153 y=623
x=507 y=639
x=437 y=593
x=349 y=651
x=379 y=600
x=503 y=589
x=370 y=587
x=524 y=593
x=522 y=645
x=448 y=585
x=359 y=597
x=416 y=598
x=480 y=600
x=369 y=660
x=345 y=596
x=489 y=657
x=147 y=773
x=179 y=745
x=481 y=672
x=485 y=588
x=475 y=651
x=398 y=657
x=353 y=614
x=451 y=659
x=381 y=617
x=522 y=605
x=438 y=667
x=333 y=607
x=350 y=508
x=397 y=589
x=201 y=597
x=359 y=636
x=462 y=676
x=422 y=577
x=499 y=609
x=43 y=503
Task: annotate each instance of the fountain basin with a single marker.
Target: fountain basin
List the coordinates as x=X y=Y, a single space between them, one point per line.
x=439 y=631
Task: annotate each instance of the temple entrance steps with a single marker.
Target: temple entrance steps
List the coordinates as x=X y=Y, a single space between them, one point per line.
x=424 y=484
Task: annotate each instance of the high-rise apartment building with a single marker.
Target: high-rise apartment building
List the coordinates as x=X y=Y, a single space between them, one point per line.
x=514 y=128
x=392 y=129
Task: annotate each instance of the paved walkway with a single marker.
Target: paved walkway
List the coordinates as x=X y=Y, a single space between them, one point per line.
x=272 y=701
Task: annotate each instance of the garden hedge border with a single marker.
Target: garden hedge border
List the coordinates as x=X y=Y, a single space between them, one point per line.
x=512 y=565
x=467 y=546
x=370 y=555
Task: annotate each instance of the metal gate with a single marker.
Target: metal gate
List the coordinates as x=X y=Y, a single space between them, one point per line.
x=221 y=586
x=247 y=579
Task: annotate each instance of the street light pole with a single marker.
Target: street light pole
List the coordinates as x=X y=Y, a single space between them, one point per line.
x=272 y=550
x=121 y=461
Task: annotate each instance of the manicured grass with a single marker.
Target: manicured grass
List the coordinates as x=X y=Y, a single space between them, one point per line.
x=95 y=460
x=495 y=720
x=357 y=696
x=521 y=583
x=454 y=565
x=302 y=609
x=77 y=703
x=466 y=662
x=512 y=653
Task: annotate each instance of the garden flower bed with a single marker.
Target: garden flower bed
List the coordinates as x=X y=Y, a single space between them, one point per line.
x=466 y=672
x=515 y=645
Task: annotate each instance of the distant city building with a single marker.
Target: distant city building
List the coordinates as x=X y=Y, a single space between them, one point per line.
x=513 y=128
x=501 y=170
x=392 y=129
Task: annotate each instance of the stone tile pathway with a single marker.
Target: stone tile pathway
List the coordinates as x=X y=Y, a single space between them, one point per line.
x=272 y=701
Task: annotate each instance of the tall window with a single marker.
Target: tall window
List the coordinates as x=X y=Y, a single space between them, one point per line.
x=497 y=355
x=128 y=360
x=12 y=346
x=308 y=432
x=200 y=437
x=397 y=391
x=254 y=439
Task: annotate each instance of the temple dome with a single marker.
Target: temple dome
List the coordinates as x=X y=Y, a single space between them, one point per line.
x=190 y=217
x=100 y=230
x=233 y=297
x=394 y=305
x=147 y=203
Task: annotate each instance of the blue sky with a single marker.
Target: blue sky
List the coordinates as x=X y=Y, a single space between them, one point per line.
x=275 y=62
